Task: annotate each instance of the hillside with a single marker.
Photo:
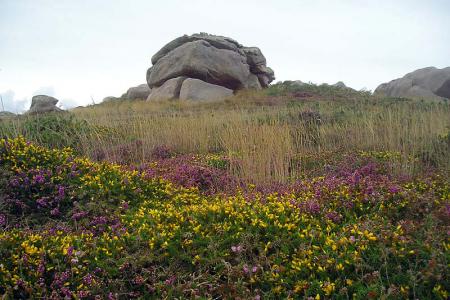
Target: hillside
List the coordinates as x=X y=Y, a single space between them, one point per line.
x=295 y=191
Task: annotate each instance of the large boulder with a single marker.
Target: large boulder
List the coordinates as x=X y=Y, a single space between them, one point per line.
x=138 y=92
x=196 y=89
x=169 y=90
x=213 y=59
x=220 y=42
x=201 y=60
x=428 y=82
x=43 y=104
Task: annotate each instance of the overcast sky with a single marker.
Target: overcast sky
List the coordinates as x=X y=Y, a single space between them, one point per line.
x=79 y=50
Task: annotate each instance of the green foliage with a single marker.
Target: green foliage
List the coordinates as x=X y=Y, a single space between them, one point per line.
x=55 y=130
x=218 y=162
x=310 y=90
x=59 y=130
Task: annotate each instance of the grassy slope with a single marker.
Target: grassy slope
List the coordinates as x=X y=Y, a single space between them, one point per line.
x=270 y=135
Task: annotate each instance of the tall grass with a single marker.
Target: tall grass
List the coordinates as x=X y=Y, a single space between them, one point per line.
x=272 y=135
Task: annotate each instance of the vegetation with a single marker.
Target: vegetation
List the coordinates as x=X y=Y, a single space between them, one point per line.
x=270 y=135
x=294 y=192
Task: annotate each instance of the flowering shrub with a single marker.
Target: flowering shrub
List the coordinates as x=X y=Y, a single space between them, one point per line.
x=193 y=171
x=72 y=228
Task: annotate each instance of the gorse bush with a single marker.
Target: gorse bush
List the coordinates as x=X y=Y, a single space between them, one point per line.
x=111 y=231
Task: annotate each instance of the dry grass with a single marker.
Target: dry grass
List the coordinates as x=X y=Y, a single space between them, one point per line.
x=265 y=138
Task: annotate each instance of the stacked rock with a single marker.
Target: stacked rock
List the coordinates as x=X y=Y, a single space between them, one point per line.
x=206 y=67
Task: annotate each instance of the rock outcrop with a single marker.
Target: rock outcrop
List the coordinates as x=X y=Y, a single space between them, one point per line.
x=43 y=104
x=214 y=60
x=6 y=115
x=428 y=82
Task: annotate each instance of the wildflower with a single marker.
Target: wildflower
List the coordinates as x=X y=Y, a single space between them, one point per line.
x=69 y=251
x=394 y=189
x=55 y=212
x=39 y=179
x=328 y=288
x=61 y=192
x=170 y=280
x=2 y=220
x=236 y=249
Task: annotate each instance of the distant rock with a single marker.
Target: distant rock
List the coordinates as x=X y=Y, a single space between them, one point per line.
x=6 y=115
x=110 y=99
x=340 y=84
x=43 y=104
x=138 y=92
x=217 y=60
x=196 y=89
x=298 y=83
x=428 y=82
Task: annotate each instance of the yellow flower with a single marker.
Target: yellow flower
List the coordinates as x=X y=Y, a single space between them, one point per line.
x=196 y=259
x=278 y=289
x=328 y=288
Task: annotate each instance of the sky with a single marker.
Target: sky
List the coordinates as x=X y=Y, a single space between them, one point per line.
x=82 y=51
